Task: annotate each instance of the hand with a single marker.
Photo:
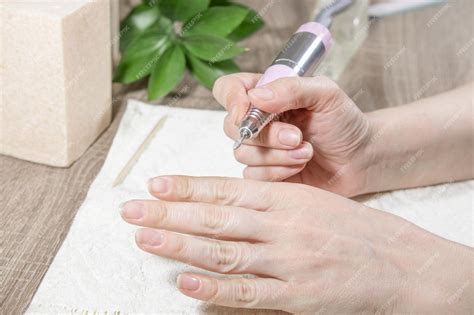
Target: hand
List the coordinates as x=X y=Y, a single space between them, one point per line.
x=309 y=250
x=320 y=139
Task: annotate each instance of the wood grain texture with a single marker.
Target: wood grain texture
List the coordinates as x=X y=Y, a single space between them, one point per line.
x=414 y=55
x=405 y=57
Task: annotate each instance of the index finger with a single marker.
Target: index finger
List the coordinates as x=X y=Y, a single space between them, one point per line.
x=248 y=194
x=231 y=91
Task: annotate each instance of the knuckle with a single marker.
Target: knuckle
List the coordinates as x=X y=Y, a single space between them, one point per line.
x=184 y=188
x=293 y=86
x=217 y=294
x=228 y=126
x=239 y=155
x=330 y=84
x=218 y=85
x=293 y=92
x=161 y=213
x=268 y=195
x=263 y=137
x=216 y=220
x=226 y=257
x=246 y=293
x=226 y=193
x=248 y=173
x=232 y=100
x=179 y=247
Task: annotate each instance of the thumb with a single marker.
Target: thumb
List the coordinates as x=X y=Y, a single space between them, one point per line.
x=312 y=93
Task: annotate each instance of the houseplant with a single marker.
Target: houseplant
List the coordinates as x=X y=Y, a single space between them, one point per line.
x=159 y=39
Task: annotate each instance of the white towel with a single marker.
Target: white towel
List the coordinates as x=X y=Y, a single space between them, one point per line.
x=100 y=269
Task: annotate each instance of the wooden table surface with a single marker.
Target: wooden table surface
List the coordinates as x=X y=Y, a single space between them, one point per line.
x=405 y=57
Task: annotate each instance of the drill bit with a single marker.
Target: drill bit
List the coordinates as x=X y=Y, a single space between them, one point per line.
x=238 y=143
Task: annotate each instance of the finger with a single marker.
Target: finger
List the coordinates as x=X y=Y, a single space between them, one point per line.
x=272 y=173
x=266 y=293
x=218 y=256
x=231 y=92
x=232 y=89
x=277 y=135
x=219 y=190
x=312 y=93
x=218 y=221
x=259 y=156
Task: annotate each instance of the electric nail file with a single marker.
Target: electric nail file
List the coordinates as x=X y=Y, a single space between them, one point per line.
x=300 y=57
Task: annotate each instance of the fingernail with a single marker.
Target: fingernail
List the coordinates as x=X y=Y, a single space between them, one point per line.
x=262 y=93
x=188 y=283
x=305 y=152
x=150 y=237
x=158 y=185
x=132 y=210
x=289 y=137
x=234 y=115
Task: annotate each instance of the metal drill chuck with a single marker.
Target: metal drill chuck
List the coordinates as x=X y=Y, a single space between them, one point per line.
x=254 y=121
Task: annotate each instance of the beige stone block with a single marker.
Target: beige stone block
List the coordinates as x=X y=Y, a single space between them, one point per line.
x=115 y=29
x=55 y=78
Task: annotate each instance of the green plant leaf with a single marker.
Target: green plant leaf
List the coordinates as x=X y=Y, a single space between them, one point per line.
x=140 y=57
x=219 y=2
x=150 y=45
x=137 y=22
x=146 y=44
x=251 y=24
x=150 y=2
x=218 y=21
x=164 y=25
x=212 y=48
x=167 y=73
x=207 y=73
x=182 y=10
x=130 y=71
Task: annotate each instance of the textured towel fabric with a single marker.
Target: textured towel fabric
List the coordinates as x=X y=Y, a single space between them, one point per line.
x=99 y=268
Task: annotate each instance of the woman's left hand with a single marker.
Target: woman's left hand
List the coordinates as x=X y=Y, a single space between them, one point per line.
x=310 y=250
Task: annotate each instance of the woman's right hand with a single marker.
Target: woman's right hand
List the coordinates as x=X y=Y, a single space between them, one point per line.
x=321 y=138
